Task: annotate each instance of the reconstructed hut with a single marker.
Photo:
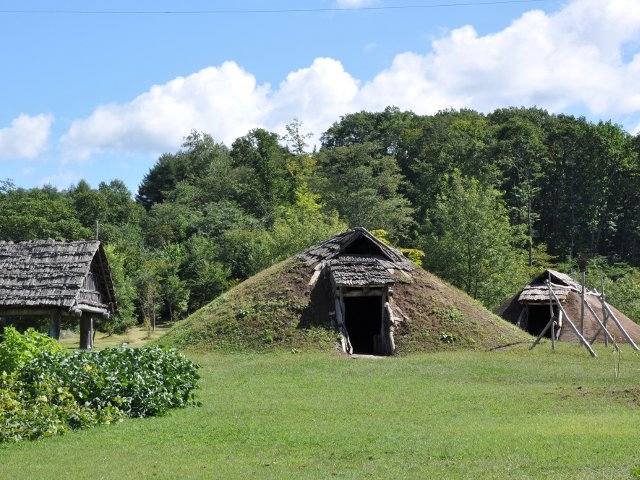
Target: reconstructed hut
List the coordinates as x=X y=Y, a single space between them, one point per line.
x=535 y=305
x=56 y=280
x=360 y=272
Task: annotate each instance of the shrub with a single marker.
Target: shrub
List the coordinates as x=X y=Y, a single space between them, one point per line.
x=16 y=348
x=43 y=410
x=46 y=391
x=139 y=382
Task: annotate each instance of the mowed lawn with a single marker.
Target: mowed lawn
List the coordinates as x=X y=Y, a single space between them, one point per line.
x=501 y=414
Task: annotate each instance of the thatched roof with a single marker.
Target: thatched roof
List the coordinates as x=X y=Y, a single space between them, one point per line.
x=357 y=242
x=356 y=271
x=356 y=258
x=537 y=292
x=70 y=276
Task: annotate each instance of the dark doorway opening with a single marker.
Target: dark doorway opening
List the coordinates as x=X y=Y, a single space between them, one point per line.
x=538 y=317
x=363 y=319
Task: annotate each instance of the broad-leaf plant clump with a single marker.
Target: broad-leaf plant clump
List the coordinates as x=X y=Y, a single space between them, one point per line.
x=46 y=390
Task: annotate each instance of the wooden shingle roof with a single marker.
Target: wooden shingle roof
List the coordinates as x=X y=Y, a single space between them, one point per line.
x=361 y=243
x=358 y=272
x=538 y=291
x=49 y=274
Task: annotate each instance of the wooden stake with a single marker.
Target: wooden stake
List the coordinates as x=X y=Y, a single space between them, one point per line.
x=573 y=327
x=620 y=327
x=584 y=280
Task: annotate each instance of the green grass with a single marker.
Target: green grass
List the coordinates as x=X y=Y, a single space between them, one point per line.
x=135 y=336
x=502 y=414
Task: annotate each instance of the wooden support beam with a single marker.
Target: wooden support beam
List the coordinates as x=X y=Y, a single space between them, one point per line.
x=364 y=292
x=33 y=312
x=86 y=333
x=571 y=324
x=314 y=278
x=620 y=327
x=344 y=340
x=542 y=333
x=602 y=327
x=54 y=324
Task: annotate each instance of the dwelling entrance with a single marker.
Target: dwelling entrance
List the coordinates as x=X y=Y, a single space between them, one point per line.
x=538 y=317
x=364 y=321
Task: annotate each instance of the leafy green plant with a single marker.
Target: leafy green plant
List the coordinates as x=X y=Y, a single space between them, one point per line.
x=450 y=315
x=445 y=337
x=16 y=348
x=45 y=391
x=43 y=410
x=139 y=382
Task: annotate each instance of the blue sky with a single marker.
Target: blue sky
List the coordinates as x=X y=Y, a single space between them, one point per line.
x=98 y=90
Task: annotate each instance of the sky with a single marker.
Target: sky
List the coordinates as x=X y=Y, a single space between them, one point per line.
x=99 y=90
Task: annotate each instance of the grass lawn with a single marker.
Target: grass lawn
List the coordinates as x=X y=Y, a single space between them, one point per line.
x=503 y=414
x=136 y=336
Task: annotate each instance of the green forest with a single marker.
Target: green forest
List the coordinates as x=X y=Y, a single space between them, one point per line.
x=485 y=201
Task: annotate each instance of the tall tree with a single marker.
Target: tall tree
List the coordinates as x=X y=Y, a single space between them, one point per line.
x=264 y=180
x=470 y=241
x=523 y=156
x=363 y=186
x=39 y=213
x=194 y=161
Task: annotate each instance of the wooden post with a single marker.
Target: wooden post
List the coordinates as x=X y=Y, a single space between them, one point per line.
x=602 y=328
x=86 y=332
x=544 y=330
x=584 y=280
x=620 y=327
x=551 y=315
x=606 y=339
x=54 y=324
x=573 y=327
x=520 y=317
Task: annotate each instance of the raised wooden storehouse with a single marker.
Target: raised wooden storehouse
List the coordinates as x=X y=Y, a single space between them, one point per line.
x=57 y=280
x=567 y=303
x=359 y=272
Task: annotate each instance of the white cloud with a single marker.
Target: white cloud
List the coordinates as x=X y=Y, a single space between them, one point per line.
x=585 y=57
x=558 y=61
x=317 y=95
x=26 y=137
x=225 y=101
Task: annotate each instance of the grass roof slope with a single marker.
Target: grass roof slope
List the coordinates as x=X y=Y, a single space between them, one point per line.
x=277 y=309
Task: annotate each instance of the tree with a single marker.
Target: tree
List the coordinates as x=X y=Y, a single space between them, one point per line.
x=263 y=179
x=124 y=317
x=295 y=138
x=363 y=186
x=522 y=154
x=205 y=276
x=384 y=129
x=470 y=242
x=39 y=213
x=194 y=161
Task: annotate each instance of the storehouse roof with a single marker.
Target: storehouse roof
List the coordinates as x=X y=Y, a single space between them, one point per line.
x=360 y=246
x=49 y=274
